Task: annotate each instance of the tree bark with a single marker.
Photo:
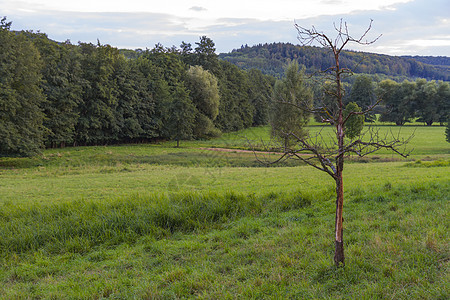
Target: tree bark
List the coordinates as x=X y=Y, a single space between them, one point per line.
x=339 y=229
x=340 y=135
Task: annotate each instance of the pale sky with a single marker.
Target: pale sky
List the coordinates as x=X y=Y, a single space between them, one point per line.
x=409 y=27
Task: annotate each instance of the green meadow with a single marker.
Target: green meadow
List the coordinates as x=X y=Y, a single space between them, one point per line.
x=153 y=221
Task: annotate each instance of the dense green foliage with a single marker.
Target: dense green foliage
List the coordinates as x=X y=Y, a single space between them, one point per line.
x=58 y=94
x=205 y=97
x=261 y=87
x=363 y=94
x=289 y=111
x=443 y=61
x=355 y=123
x=62 y=86
x=271 y=58
x=21 y=98
x=397 y=99
x=428 y=101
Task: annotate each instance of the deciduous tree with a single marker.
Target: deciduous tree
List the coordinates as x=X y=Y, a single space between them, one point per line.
x=98 y=122
x=398 y=99
x=261 y=89
x=204 y=93
x=205 y=55
x=62 y=85
x=180 y=124
x=21 y=97
x=432 y=101
x=363 y=94
x=235 y=109
x=326 y=156
x=290 y=111
x=355 y=122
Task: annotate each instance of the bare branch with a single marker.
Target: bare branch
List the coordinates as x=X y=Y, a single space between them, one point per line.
x=365 y=112
x=375 y=142
x=308 y=36
x=364 y=35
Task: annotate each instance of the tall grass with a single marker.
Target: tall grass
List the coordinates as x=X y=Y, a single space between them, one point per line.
x=271 y=247
x=80 y=225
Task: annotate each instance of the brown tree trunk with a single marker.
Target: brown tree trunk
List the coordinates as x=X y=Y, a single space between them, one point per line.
x=340 y=134
x=339 y=229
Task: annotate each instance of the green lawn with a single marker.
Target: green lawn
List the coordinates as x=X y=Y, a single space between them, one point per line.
x=100 y=182
x=426 y=140
x=158 y=222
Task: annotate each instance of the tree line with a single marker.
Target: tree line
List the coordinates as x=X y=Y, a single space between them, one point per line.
x=271 y=59
x=419 y=100
x=56 y=94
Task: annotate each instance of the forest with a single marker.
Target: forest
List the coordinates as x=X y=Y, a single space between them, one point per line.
x=271 y=59
x=57 y=94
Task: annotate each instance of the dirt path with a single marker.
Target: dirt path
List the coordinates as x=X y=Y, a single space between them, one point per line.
x=241 y=151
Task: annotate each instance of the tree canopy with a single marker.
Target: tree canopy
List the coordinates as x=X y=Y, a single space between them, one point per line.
x=21 y=96
x=291 y=104
x=56 y=94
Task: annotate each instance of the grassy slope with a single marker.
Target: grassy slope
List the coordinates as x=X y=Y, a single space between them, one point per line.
x=396 y=247
x=152 y=221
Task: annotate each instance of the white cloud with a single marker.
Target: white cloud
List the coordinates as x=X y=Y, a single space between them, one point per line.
x=138 y=23
x=429 y=43
x=198 y=8
x=257 y=9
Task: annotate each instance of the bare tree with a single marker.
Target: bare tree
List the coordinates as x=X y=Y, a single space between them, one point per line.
x=329 y=156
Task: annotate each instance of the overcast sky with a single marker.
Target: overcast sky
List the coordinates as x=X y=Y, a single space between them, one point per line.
x=408 y=27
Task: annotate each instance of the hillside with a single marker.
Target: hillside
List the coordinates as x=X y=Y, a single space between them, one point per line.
x=271 y=59
x=443 y=61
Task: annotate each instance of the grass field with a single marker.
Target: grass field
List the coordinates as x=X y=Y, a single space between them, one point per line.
x=158 y=222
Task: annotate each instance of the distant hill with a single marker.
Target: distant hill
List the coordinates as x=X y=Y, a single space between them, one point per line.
x=443 y=61
x=272 y=58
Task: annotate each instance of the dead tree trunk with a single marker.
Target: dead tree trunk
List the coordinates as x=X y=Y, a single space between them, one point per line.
x=339 y=258
x=340 y=135
x=329 y=157
x=339 y=229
